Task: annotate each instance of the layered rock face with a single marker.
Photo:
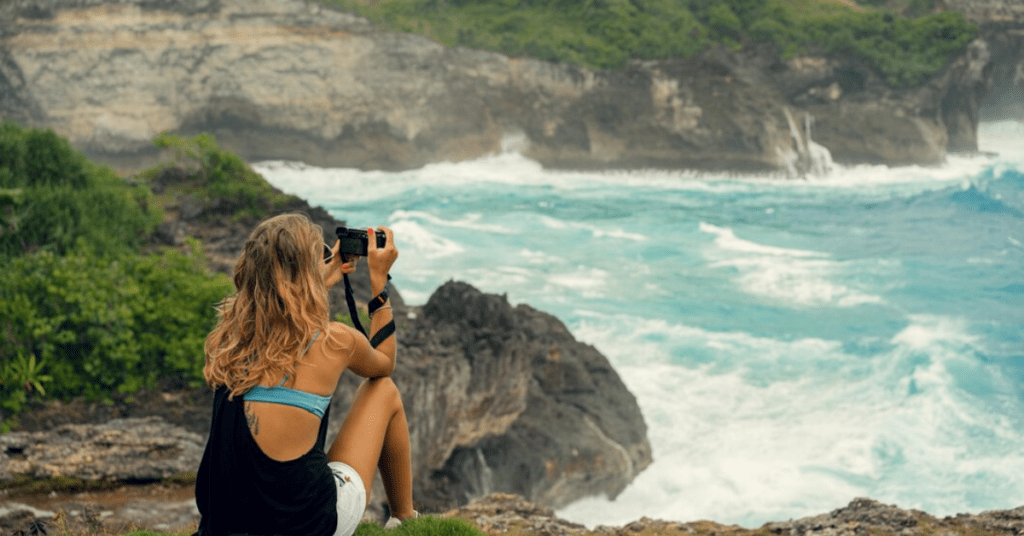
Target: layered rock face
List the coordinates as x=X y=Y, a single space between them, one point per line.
x=288 y=79
x=131 y=450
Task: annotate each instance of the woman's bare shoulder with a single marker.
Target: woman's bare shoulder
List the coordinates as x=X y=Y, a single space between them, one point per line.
x=338 y=339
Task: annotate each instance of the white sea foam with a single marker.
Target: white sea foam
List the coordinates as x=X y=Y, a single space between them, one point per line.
x=540 y=257
x=596 y=231
x=333 y=186
x=589 y=282
x=731 y=447
x=1003 y=137
x=726 y=239
x=798 y=277
x=422 y=242
x=472 y=221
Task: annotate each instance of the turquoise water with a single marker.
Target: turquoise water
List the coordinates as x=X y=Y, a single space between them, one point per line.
x=792 y=344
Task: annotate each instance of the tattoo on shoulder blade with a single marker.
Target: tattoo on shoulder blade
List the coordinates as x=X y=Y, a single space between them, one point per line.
x=252 y=419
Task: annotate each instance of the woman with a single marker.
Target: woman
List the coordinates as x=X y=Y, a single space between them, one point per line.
x=274 y=360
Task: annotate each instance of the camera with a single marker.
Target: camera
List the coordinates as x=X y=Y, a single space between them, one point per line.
x=356 y=241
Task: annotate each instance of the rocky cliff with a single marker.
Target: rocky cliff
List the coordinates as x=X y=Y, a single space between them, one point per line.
x=1002 y=44
x=289 y=79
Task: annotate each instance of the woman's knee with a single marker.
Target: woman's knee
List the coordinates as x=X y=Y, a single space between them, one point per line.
x=384 y=390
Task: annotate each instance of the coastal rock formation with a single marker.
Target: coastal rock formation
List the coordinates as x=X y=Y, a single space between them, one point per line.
x=289 y=79
x=124 y=450
x=499 y=513
x=504 y=399
x=1002 y=26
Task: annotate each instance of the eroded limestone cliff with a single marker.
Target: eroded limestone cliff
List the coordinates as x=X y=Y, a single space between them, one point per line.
x=290 y=79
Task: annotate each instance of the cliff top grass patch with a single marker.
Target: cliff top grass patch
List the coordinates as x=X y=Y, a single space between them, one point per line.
x=607 y=34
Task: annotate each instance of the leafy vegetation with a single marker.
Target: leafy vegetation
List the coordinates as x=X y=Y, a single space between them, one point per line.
x=101 y=324
x=606 y=34
x=82 y=310
x=221 y=175
x=53 y=198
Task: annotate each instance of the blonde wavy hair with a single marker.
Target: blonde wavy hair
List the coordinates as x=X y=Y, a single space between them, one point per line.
x=279 y=303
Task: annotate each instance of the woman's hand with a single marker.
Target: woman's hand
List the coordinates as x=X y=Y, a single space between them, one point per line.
x=380 y=260
x=334 y=270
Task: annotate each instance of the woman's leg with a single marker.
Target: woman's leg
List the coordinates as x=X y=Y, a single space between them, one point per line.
x=375 y=434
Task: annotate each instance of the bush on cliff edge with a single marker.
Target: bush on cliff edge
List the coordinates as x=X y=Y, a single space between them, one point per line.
x=82 y=310
x=52 y=197
x=606 y=34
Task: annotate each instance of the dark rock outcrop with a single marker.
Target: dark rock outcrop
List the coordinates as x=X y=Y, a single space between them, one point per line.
x=287 y=79
x=504 y=399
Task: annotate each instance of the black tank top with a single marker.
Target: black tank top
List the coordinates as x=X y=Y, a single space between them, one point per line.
x=240 y=490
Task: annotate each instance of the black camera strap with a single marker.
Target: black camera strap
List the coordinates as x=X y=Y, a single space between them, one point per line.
x=386 y=331
x=351 y=302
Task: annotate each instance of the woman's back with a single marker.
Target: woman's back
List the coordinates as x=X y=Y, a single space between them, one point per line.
x=282 y=416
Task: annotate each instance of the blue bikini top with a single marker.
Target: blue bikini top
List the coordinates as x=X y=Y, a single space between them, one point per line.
x=310 y=402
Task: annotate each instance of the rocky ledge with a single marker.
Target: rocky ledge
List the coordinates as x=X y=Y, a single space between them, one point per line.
x=294 y=80
x=500 y=514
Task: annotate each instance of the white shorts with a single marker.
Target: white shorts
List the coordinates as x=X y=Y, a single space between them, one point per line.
x=351 y=498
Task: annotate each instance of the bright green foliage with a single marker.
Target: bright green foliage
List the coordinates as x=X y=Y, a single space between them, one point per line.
x=101 y=324
x=52 y=197
x=364 y=319
x=222 y=175
x=904 y=51
x=605 y=34
x=422 y=526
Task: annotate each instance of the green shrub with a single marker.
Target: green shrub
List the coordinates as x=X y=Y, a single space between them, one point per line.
x=52 y=197
x=605 y=34
x=221 y=175
x=93 y=325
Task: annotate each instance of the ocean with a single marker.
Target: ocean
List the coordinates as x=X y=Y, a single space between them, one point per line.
x=792 y=344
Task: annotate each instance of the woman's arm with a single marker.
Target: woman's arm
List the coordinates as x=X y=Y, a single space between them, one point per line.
x=367 y=361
